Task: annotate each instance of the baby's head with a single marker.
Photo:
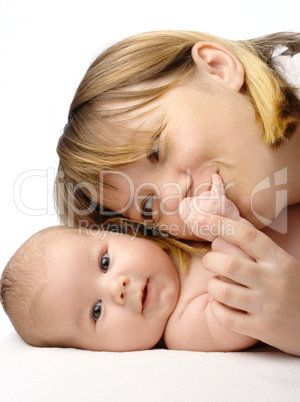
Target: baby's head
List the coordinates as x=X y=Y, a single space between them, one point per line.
x=92 y=290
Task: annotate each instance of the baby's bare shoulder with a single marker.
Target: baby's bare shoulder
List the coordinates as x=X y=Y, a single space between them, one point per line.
x=197 y=330
x=187 y=327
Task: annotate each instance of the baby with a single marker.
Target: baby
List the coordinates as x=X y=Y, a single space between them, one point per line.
x=106 y=291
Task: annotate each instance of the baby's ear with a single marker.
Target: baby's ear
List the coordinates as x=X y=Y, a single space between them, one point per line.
x=217 y=61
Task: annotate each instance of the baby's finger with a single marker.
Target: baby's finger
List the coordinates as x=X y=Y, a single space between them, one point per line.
x=217 y=185
x=193 y=220
x=192 y=208
x=238 y=269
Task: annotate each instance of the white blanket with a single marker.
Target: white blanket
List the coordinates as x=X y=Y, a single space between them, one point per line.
x=51 y=374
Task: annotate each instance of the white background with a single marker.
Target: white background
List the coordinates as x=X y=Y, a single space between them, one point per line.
x=45 y=48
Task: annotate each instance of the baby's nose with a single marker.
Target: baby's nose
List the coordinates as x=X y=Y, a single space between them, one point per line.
x=118 y=289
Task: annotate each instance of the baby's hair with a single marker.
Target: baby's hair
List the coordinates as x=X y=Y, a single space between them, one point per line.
x=22 y=284
x=111 y=91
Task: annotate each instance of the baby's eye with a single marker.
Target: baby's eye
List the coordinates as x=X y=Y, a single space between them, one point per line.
x=97 y=310
x=153 y=153
x=147 y=209
x=104 y=262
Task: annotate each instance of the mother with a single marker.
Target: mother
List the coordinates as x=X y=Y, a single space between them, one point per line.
x=154 y=117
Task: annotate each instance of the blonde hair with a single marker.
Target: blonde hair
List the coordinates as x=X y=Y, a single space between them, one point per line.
x=179 y=251
x=87 y=148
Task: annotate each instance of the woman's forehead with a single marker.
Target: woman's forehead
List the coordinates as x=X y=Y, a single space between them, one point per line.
x=135 y=115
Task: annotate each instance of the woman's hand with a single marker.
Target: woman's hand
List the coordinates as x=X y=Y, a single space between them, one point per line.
x=264 y=301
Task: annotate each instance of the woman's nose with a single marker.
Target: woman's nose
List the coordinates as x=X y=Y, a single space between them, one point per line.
x=174 y=191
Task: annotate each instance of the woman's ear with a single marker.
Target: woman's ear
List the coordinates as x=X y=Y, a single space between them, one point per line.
x=216 y=60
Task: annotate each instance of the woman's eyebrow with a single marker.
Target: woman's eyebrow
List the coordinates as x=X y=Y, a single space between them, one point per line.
x=159 y=130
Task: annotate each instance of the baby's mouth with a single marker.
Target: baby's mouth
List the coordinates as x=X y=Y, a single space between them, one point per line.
x=144 y=294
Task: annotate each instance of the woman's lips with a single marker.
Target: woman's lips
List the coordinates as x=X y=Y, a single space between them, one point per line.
x=146 y=296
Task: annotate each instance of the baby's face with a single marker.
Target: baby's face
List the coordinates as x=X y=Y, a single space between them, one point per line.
x=107 y=292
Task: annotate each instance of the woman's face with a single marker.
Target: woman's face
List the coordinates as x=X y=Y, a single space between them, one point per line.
x=196 y=129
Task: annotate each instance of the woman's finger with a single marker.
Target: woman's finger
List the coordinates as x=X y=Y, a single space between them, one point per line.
x=238 y=269
x=255 y=243
x=231 y=294
x=234 y=320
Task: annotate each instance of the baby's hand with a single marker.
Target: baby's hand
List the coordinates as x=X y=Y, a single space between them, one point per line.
x=194 y=210
x=214 y=202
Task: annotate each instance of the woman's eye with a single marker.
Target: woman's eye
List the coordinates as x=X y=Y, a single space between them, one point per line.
x=147 y=209
x=153 y=153
x=104 y=262
x=97 y=310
